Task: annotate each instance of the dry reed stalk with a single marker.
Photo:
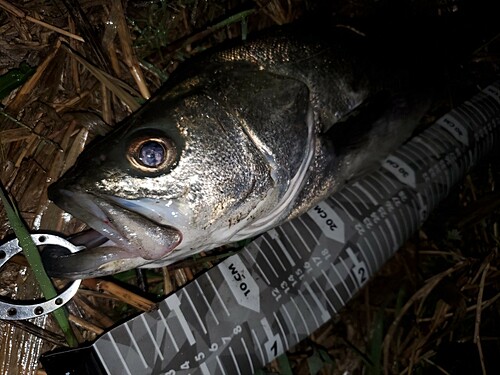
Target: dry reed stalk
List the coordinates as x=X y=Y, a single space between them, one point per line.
x=477 y=326
x=93 y=311
x=123 y=294
x=129 y=56
x=422 y=293
x=180 y=277
x=86 y=325
x=27 y=89
x=117 y=87
x=12 y=9
x=167 y=282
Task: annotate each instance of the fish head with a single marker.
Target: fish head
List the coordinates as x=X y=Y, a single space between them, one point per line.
x=175 y=178
x=206 y=162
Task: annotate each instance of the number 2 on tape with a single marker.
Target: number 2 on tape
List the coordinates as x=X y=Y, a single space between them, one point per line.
x=359 y=268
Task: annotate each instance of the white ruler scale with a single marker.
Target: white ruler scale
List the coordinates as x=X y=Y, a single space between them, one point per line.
x=241 y=314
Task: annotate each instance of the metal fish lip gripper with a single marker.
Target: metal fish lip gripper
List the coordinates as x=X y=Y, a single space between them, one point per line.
x=19 y=310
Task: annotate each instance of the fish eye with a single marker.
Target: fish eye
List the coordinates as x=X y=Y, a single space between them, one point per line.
x=151 y=154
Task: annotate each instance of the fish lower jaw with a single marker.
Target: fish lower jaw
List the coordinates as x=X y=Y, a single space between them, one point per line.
x=131 y=231
x=151 y=242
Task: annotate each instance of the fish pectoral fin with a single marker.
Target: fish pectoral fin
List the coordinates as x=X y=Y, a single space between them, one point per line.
x=375 y=129
x=355 y=127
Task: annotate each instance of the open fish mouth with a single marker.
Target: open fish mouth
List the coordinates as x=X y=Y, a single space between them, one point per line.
x=134 y=239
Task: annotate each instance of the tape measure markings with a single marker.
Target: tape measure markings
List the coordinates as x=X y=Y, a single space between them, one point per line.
x=411 y=214
x=289 y=322
x=471 y=113
x=174 y=303
x=278 y=338
x=442 y=178
x=271 y=249
x=342 y=207
x=167 y=328
x=324 y=315
x=490 y=103
x=219 y=298
x=294 y=235
x=155 y=345
x=493 y=92
x=492 y=99
x=401 y=237
x=485 y=103
x=464 y=120
x=259 y=268
x=203 y=305
x=336 y=297
x=366 y=193
x=241 y=283
x=234 y=362
x=195 y=311
x=349 y=279
x=481 y=109
x=363 y=196
x=275 y=237
x=374 y=239
x=350 y=197
x=204 y=298
x=387 y=243
x=334 y=289
x=367 y=252
x=326 y=298
x=295 y=242
x=463 y=117
x=302 y=321
x=310 y=234
x=204 y=369
x=420 y=159
x=390 y=184
x=250 y=361
x=257 y=344
x=136 y=346
x=338 y=280
x=308 y=320
x=375 y=181
x=412 y=159
x=385 y=228
x=220 y=366
x=311 y=310
x=348 y=203
x=420 y=142
x=270 y=265
x=449 y=123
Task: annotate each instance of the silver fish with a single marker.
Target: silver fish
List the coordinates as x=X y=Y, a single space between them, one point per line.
x=238 y=141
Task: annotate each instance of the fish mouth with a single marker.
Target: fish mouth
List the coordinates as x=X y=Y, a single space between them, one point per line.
x=134 y=238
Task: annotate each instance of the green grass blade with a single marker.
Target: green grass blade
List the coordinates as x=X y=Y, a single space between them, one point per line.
x=14 y=78
x=233 y=19
x=284 y=365
x=33 y=257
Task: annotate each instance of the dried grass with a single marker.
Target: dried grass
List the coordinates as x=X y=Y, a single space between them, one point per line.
x=93 y=67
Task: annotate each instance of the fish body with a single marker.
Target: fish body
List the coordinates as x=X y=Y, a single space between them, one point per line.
x=238 y=141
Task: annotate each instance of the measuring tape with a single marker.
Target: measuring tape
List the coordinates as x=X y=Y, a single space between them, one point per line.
x=279 y=289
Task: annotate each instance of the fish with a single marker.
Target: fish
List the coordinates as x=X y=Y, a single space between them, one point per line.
x=239 y=140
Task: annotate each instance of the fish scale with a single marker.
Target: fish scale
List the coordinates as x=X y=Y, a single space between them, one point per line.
x=243 y=138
